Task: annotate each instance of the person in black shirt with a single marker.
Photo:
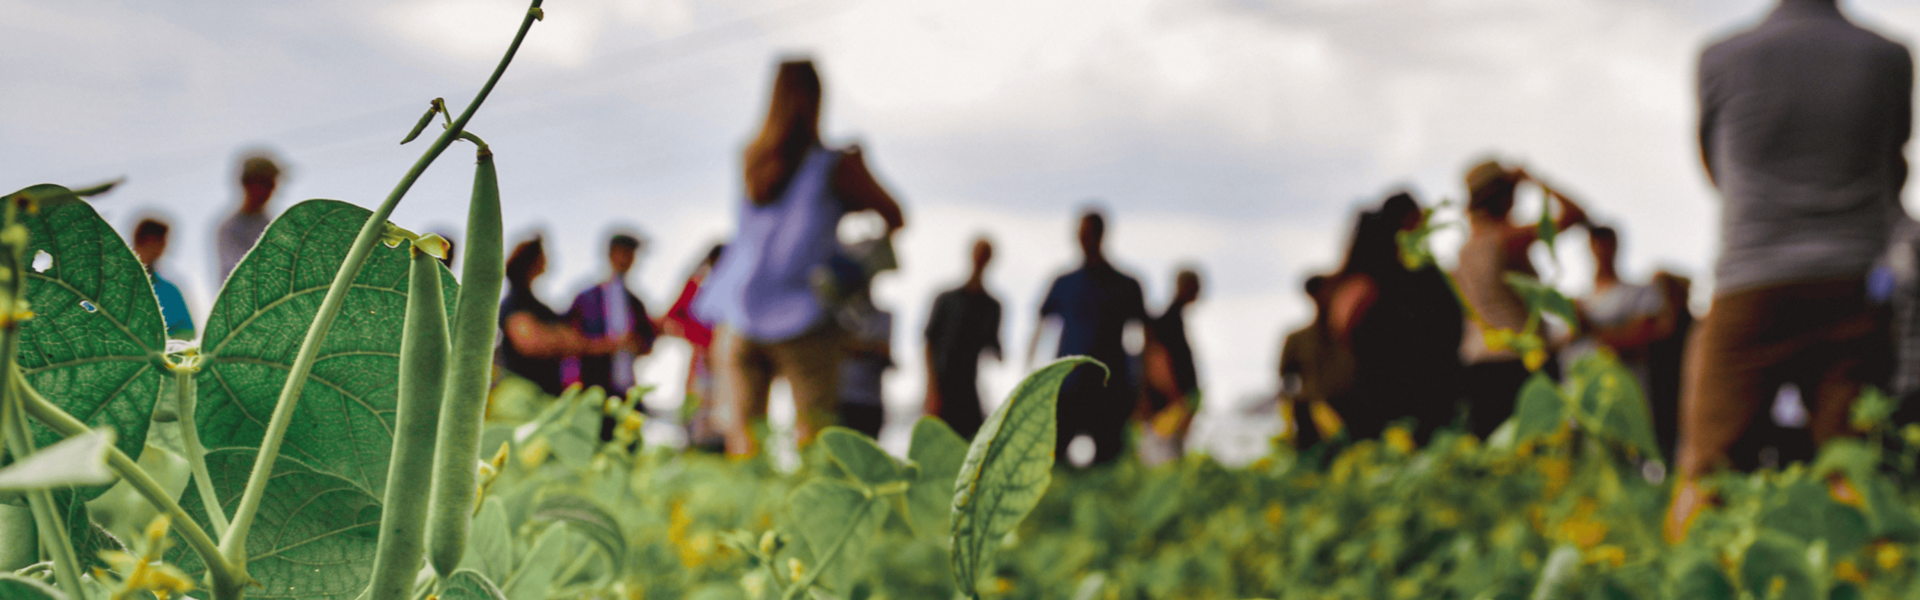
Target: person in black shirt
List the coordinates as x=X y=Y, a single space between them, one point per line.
x=964 y=323
x=1093 y=305
x=1173 y=384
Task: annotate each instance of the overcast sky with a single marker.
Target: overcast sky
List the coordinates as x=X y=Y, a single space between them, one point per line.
x=1236 y=135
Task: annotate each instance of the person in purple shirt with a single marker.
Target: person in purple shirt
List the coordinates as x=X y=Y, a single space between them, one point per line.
x=1093 y=305
x=610 y=311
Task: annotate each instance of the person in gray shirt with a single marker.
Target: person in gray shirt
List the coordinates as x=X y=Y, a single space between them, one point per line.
x=259 y=175
x=1804 y=119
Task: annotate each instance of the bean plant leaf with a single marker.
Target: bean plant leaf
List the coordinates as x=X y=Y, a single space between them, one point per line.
x=94 y=344
x=13 y=587
x=75 y=461
x=826 y=512
x=1776 y=567
x=1006 y=470
x=470 y=585
x=344 y=422
x=490 y=542
x=313 y=538
x=588 y=518
x=535 y=577
x=1808 y=512
x=1612 y=405
x=859 y=456
x=1540 y=411
x=1543 y=298
x=939 y=452
x=1700 y=579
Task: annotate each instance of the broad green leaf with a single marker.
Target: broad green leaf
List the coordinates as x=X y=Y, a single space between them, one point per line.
x=939 y=452
x=825 y=511
x=1007 y=468
x=1852 y=457
x=344 y=422
x=1613 y=406
x=314 y=537
x=94 y=344
x=1872 y=410
x=1892 y=517
x=470 y=585
x=1700 y=579
x=859 y=456
x=535 y=577
x=1776 y=567
x=1805 y=510
x=490 y=542
x=20 y=588
x=1540 y=411
x=588 y=518
x=76 y=461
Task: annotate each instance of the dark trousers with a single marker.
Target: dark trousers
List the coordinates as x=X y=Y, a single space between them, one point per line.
x=863 y=418
x=1095 y=408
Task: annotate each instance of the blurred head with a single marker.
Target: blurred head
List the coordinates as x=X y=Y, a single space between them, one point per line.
x=982 y=253
x=1186 y=286
x=150 y=240
x=792 y=126
x=1401 y=210
x=1093 y=232
x=620 y=252
x=1313 y=287
x=259 y=175
x=1490 y=188
x=1605 y=243
x=526 y=263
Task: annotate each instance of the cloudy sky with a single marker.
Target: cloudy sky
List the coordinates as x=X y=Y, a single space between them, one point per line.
x=1237 y=135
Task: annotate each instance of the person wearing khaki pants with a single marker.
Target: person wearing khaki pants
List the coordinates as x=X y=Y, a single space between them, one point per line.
x=810 y=364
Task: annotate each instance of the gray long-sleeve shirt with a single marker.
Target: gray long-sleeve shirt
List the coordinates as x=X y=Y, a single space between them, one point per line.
x=1803 y=121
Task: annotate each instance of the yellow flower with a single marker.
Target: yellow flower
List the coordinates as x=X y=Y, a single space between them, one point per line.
x=1557 y=470
x=1446 y=517
x=1275 y=514
x=1888 y=556
x=1399 y=439
x=1776 y=585
x=795 y=569
x=1607 y=553
x=146 y=572
x=1846 y=571
x=1325 y=419
x=1844 y=492
x=1535 y=358
x=1405 y=589
x=1001 y=586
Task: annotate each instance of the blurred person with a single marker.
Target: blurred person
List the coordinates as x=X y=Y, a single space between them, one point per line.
x=697 y=411
x=149 y=244
x=235 y=236
x=1496 y=247
x=963 y=325
x=770 y=320
x=1314 y=369
x=609 y=311
x=1403 y=328
x=534 y=338
x=1626 y=318
x=1665 y=356
x=1804 y=120
x=869 y=354
x=1092 y=306
x=1173 y=383
x=1900 y=280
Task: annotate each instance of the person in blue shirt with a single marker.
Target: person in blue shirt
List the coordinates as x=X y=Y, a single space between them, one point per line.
x=1092 y=306
x=149 y=244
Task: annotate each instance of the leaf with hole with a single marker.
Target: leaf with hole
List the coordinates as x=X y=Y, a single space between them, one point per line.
x=94 y=344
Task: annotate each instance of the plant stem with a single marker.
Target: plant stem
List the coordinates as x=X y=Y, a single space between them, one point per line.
x=233 y=543
x=197 y=539
x=53 y=530
x=833 y=551
x=197 y=454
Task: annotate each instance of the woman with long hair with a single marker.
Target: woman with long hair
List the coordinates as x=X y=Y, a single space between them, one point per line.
x=535 y=337
x=770 y=321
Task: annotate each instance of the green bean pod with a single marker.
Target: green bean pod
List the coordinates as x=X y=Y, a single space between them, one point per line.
x=469 y=373
x=423 y=376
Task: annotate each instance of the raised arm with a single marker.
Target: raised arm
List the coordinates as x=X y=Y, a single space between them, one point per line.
x=855 y=185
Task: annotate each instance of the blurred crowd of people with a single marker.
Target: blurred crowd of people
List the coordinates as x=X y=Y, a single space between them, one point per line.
x=1804 y=120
